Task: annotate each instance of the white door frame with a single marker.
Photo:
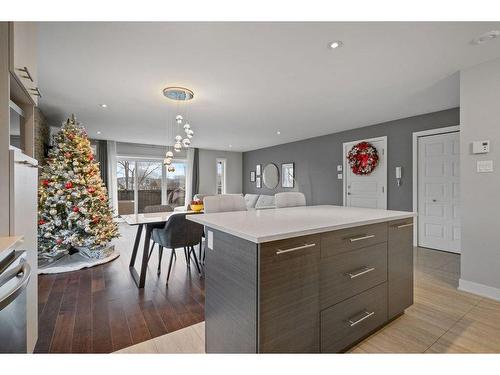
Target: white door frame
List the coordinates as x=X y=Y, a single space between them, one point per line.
x=345 y=165
x=416 y=136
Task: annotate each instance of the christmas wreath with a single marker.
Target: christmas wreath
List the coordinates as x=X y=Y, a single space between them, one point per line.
x=363 y=158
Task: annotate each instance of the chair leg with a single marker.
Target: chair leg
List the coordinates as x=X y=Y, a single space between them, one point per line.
x=151 y=250
x=204 y=252
x=191 y=251
x=186 y=255
x=170 y=264
x=160 y=255
x=200 y=251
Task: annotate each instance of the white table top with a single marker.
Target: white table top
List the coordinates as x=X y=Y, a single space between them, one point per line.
x=276 y=224
x=151 y=218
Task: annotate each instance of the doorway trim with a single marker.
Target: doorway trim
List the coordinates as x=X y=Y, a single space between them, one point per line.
x=345 y=165
x=416 y=136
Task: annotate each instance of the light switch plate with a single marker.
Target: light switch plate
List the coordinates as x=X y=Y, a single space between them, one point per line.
x=484 y=166
x=339 y=168
x=339 y=176
x=210 y=240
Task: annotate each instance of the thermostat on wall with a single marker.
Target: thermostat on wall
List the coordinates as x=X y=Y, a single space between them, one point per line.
x=480 y=147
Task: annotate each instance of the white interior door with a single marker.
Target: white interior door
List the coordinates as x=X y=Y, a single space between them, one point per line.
x=439 y=192
x=368 y=191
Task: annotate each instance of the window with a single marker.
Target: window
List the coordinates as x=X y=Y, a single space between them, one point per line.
x=176 y=184
x=143 y=182
x=221 y=176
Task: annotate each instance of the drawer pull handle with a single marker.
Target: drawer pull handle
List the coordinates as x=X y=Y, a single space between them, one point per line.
x=305 y=246
x=365 y=316
x=362 y=271
x=405 y=225
x=361 y=238
x=27 y=74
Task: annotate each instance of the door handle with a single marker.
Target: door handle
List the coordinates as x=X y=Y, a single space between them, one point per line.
x=305 y=246
x=364 y=316
x=23 y=269
x=434 y=200
x=361 y=271
x=354 y=239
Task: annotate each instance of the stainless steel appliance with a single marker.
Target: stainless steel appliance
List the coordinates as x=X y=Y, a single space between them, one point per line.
x=15 y=274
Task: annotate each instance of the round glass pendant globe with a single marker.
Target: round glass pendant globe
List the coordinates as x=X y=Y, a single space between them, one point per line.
x=186 y=142
x=169 y=154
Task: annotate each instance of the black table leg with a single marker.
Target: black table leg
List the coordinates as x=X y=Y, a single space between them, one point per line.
x=140 y=280
x=145 y=256
x=136 y=246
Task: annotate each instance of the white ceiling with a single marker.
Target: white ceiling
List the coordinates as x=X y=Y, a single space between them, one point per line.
x=251 y=79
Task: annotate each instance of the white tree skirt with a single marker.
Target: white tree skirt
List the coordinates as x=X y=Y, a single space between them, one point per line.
x=74 y=262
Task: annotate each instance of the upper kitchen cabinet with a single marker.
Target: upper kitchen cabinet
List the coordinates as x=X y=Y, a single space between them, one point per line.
x=22 y=56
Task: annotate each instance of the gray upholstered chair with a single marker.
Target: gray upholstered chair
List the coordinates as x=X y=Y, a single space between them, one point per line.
x=224 y=203
x=178 y=232
x=289 y=199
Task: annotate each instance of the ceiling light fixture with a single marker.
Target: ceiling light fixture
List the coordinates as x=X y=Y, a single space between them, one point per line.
x=486 y=37
x=178 y=93
x=103 y=105
x=98 y=132
x=278 y=132
x=336 y=44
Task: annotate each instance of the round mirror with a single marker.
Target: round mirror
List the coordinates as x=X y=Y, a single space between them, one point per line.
x=270 y=176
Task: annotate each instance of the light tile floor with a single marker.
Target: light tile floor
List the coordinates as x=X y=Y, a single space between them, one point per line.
x=442 y=319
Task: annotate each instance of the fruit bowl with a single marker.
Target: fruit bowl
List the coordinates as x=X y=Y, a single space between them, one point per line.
x=196 y=206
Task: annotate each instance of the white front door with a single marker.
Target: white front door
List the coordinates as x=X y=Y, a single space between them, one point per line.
x=439 y=192
x=368 y=191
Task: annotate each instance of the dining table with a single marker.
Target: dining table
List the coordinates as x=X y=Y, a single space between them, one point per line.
x=146 y=222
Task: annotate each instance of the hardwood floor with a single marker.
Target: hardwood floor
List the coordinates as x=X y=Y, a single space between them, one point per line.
x=100 y=310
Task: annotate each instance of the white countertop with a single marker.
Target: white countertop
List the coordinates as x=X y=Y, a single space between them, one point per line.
x=276 y=224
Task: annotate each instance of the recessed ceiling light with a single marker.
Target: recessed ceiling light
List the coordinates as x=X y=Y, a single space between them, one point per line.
x=230 y=146
x=336 y=44
x=486 y=37
x=103 y=105
x=278 y=132
x=98 y=132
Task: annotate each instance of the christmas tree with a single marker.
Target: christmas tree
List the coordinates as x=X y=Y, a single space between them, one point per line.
x=73 y=208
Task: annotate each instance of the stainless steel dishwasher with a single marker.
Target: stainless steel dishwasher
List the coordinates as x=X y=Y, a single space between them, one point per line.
x=15 y=274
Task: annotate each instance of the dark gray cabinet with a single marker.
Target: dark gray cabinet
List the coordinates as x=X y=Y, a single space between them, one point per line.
x=289 y=296
x=400 y=266
x=309 y=294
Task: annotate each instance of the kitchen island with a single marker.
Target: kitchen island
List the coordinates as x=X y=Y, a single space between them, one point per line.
x=314 y=279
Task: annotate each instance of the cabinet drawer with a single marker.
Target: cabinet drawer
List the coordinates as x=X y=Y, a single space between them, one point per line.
x=348 y=321
x=345 y=240
x=345 y=275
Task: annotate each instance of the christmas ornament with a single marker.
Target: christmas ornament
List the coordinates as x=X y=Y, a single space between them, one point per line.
x=363 y=158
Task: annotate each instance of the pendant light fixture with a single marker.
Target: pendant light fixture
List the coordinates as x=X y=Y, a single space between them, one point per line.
x=179 y=95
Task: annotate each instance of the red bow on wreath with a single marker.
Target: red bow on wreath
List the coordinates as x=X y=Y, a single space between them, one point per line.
x=363 y=158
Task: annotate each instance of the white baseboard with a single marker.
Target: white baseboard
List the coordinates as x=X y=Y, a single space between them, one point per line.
x=479 y=289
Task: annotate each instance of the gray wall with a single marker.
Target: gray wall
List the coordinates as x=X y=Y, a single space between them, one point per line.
x=208 y=171
x=316 y=159
x=480 y=115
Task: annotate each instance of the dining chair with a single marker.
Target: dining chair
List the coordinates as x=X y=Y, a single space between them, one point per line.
x=178 y=232
x=222 y=203
x=289 y=199
x=154 y=209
